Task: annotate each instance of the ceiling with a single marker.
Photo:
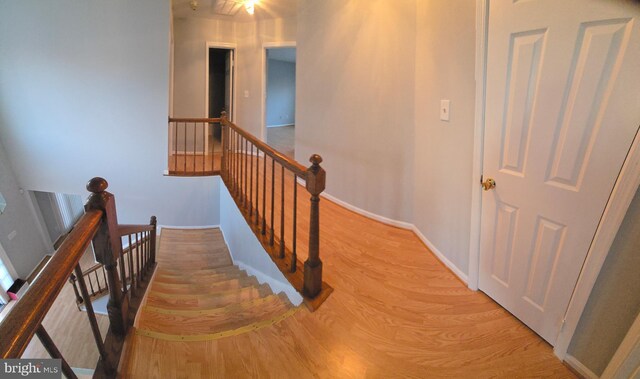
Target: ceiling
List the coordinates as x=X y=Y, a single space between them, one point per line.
x=286 y=54
x=234 y=9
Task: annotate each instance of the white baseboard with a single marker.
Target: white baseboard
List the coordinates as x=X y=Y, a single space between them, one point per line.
x=159 y=230
x=276 y=285
x=402 y=225
x=441 y=256
x=579 y=367
x=279 y=125
x=373 y=216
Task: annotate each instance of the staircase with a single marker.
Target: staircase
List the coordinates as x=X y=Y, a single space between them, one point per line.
x=197 y=293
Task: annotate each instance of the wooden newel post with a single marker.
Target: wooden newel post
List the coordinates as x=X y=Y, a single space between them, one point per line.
x=316 y=177
x=108 y=247
x=154 y=223
x=223 y=161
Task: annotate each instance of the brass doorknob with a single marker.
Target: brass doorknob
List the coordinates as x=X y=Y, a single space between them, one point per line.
x=489 y=184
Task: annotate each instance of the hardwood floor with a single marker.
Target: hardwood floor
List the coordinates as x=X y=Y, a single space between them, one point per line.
x=282 y=138
x=396 y=311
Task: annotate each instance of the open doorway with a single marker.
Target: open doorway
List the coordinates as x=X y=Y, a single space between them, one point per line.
x=280 y=98
x=220 y=90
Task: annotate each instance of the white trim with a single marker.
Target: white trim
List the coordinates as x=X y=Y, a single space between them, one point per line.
x=373 y=216
x=630 y=342
x=482 y=22
x=623 y=192
x=280 y=125
x=402 y=225
x=7 y=262
x=40 y=224
x=580 y=368
x=263 y=83
x=461 y=275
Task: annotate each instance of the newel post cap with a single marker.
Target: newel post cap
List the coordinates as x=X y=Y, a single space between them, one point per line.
x=315 y=159
x=97 y=185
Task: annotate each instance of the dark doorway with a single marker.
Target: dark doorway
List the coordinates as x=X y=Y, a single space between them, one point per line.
x=220 y=95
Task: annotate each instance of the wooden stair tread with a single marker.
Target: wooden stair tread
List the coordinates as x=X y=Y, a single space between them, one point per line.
x=204 y=287
x=184 y=279
x=207 y=301
x=168 y=271
x=213 y=322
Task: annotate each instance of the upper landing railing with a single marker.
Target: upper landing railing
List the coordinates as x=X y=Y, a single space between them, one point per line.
x=264 y=184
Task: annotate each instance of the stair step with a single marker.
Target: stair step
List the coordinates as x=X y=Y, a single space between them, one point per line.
x=198 y=277
x=214 y=321
x=204 y=287
x=209 y=301
x=169 y=271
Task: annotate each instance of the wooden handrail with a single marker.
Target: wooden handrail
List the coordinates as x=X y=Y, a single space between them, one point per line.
x=21 y=323
x=191 y=119
x=124 y=229
x=282 y=159
x=243 y=167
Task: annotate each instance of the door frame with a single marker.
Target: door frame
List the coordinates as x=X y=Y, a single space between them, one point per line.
x=624 y=190
x=263 y=82
x=234 y=81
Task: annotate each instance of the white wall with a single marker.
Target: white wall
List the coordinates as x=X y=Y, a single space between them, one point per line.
x=445 y=65
x=84 y=93
x=355 y=90
x=191 y=35
x=190 y=54
x=27 y=248
x=281 y=93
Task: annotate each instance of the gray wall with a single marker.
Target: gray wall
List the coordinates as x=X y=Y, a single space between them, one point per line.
x=27 y=248
x=281 y=93
x=84 y=93
x=614 y=303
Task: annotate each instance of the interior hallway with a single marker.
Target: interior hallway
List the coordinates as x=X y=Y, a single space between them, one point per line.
x=396 y=311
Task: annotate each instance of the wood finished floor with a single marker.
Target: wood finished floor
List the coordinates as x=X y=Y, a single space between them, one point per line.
x=396 y=311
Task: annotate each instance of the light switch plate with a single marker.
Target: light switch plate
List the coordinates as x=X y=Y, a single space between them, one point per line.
x=444 y=110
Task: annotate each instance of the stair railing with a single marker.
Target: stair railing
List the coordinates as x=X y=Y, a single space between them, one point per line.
x=262 y=182
x=194 y=147
x=99 y=225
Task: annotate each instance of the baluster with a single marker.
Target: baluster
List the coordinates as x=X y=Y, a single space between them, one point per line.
x=154 y=223
x=316 y=177
x=204 y=143
x=53 y=351
x=264 y=194
x=175 y=147
x=223 y=139
x=131 y=268
x=251 y=182
x=257 y=203
x=104 y=274
x=184 y=152
x=93 y=292
x=92 y=319
x=294 y=256
x=282 y=211
x=95 y=274
x=195 y=144
x=246 y=172
x=108 y=247
x=139 y=270
x=123 y=274
x=72 y=280
x=213 y=146
x=273 y=204
x=236 y=165
x=144 y=253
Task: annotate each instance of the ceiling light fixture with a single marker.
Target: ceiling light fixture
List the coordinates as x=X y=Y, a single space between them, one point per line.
x=249 y=5
x=193 y=4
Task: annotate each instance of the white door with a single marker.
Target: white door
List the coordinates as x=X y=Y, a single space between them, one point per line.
x=562 y=108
